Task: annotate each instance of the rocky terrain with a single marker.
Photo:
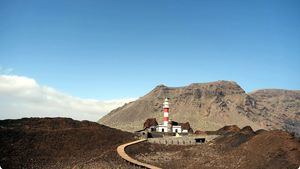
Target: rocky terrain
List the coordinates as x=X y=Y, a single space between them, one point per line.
x=59 y=143
x=210 y=106
x=277 y=109
x=64 y=143
x=235 y=148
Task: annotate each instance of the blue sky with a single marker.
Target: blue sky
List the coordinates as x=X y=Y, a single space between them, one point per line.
x=116 y=49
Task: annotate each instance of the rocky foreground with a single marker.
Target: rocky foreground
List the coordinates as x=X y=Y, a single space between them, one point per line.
x=234 y=149
x=52 y=143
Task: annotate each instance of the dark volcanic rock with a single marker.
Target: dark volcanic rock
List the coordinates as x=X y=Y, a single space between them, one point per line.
x=199 y=132
x=57 y=143
x=247 y=130
x=186 y=126
x=232 y=136
x=228 y=129
x=267 y=150
x=150 y=122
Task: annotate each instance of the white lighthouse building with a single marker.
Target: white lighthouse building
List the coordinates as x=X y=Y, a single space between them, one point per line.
x=169 y=126
x=165 y=126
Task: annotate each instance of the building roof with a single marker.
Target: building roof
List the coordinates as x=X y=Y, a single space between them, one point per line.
x=185 y=126
x=150 y=122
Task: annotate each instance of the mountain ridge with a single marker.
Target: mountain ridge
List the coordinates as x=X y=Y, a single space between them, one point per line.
x=208 y=106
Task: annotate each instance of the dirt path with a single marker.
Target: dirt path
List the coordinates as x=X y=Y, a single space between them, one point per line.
x=125 y=156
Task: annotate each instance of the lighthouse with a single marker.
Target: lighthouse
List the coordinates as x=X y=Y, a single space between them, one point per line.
x=164 y=127
x=168 y=126
x=166 y=112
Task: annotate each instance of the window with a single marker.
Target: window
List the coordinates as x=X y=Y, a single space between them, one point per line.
x=176 y=130
x=200 y=140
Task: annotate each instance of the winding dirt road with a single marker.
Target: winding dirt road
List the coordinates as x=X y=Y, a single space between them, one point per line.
x=122 y=153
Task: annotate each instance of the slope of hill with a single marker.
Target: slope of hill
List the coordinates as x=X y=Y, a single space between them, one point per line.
x=278 y=109
x=59 y=143
x=209 y=106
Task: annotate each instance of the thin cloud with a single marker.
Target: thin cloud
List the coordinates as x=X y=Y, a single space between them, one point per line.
x=21 y=96
x=6 y=71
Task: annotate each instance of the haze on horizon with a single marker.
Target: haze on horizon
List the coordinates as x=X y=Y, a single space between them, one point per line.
x=82 y=59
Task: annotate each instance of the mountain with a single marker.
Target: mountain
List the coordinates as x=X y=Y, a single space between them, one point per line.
x=278 y=109
x=59 y=143
x=210 y=106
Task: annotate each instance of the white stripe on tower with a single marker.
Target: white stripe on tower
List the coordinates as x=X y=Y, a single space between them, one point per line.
x=166 y=112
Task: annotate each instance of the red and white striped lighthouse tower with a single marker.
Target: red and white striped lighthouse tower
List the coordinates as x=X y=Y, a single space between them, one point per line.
x=166 y=112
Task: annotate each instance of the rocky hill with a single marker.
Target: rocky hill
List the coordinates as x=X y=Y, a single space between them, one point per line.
x=59 y=143
x=210 y=106
x=277 y=109
x=236 y=148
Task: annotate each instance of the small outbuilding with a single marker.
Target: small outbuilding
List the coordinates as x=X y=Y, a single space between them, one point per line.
x=162 y=128
x=150 y=124
x=176 y=129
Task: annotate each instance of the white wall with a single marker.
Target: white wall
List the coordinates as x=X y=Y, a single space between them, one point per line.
x=178 y=128
x=161 y=128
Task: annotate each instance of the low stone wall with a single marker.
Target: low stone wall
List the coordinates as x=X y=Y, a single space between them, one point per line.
x=185 y=140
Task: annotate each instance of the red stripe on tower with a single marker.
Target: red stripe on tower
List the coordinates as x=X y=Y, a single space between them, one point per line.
x=166 y=112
